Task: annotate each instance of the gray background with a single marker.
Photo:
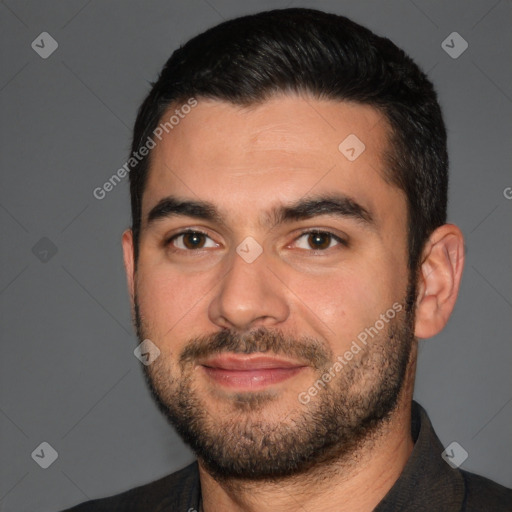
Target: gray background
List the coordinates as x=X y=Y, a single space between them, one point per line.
x=68 y=374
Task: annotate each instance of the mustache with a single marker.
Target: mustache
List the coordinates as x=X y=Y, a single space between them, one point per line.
x=304 y=349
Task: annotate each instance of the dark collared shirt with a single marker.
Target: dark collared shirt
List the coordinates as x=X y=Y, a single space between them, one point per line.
x=427 y=484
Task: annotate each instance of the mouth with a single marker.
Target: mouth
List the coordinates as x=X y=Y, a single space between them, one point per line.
x=249 y=372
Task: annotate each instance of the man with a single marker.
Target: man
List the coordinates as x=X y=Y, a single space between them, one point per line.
x=289 y=246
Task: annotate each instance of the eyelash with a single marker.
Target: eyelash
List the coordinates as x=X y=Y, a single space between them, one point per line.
x=341 y=241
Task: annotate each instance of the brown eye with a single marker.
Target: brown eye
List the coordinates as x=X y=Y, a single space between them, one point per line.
x=191 y=240
x=319 y=240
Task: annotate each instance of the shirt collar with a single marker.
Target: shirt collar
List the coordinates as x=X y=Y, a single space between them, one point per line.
x=427 y=482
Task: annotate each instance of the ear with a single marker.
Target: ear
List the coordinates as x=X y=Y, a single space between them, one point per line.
x=439 y=280
x=129 y=266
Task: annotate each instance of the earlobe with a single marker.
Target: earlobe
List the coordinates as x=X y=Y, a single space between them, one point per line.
x=127 y=242
x=439 y=280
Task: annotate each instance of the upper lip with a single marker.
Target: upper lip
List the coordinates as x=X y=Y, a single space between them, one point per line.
x=248 y=362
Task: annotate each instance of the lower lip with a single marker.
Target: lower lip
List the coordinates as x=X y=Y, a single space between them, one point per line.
x=249 y=380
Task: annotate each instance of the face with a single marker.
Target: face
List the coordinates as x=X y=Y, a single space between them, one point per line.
x=273 y=278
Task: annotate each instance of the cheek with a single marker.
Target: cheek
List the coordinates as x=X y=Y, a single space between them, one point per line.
x=342 y=305
x=169 y=301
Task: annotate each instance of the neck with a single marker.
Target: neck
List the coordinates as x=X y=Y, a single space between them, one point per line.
x=357 y=483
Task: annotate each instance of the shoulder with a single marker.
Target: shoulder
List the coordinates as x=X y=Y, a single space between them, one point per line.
x=175 y=490
x=484 y=494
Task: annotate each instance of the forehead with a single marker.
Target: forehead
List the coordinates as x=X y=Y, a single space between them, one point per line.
x=275 y=152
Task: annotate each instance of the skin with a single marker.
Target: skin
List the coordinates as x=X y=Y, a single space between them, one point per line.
x=246 y=161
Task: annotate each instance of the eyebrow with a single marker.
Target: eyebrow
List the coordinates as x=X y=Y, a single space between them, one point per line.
x=338 y=205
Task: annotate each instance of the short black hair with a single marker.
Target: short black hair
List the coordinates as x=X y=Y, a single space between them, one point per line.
x=249 y=59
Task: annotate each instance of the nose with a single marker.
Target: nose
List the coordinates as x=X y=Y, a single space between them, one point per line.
x=249 y=296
